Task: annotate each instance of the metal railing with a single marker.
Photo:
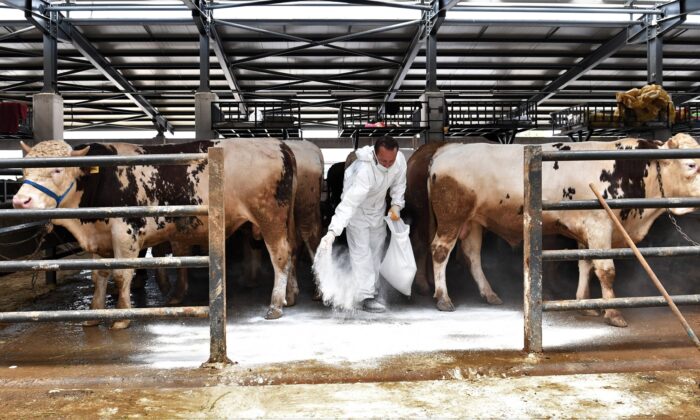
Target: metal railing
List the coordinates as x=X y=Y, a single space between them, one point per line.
x=687 y=118
x=216 y=311
x=492 y=114
x=533 y=255
x=608 y=116
x=232 y=114
x=355 y=115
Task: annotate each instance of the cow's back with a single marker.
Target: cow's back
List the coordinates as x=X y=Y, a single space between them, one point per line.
x=492 y=177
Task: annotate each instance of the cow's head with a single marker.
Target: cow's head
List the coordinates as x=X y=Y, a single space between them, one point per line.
x=45 y=188
x=681 y=177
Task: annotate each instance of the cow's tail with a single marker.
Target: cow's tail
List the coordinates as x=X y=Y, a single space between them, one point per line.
x=432 y=228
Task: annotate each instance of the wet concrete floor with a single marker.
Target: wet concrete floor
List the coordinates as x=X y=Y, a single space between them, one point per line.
x=411 y=361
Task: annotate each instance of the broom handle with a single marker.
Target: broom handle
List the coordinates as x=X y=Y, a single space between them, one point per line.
x=648 y=269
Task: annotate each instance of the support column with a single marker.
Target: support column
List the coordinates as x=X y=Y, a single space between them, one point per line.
x=47 y=107
x=433 y=116
x=655 y=52
x=431 y=63
x=47 y=110
x=203 y=115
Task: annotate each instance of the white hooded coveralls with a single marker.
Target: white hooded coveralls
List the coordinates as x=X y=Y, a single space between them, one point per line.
x=362 y=209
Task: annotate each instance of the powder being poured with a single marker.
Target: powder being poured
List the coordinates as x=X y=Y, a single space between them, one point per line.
x=333 y=275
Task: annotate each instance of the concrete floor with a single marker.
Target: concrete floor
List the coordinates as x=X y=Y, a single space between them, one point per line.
x=411 y=361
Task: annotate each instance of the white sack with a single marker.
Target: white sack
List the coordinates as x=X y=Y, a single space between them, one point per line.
x=399 y=265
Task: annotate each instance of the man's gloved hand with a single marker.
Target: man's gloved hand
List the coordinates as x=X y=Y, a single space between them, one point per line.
x=327 y=242
x=395 y=213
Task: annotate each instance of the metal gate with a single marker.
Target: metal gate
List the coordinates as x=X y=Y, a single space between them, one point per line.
x=533 y=255
x=215 y=212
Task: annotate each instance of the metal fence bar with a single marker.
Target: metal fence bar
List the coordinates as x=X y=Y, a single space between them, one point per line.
x=638 y=154
x=217 y=258
x=82 y=161
x=623 y=203
x=103 y=263
x=104 y=314
x=619 y=253
x=534 y=306
x=631 y=302
x=17 y=228
x=532 y=249
x=103 y=212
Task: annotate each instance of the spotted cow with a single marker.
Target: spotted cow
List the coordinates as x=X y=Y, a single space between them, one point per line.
x=260 y=187
x=480 y=186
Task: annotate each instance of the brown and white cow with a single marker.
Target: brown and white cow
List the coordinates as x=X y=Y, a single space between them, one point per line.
x=260 y=188
x=480 y=186
x=307 y=211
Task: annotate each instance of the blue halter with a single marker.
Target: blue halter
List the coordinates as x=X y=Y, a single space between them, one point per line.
x=48 y=192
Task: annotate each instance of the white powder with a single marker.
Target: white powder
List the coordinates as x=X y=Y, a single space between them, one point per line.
x=334 y=279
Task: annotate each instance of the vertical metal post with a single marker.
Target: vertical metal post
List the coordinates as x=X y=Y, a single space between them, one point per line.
x=217 y=259
x=532 y=250
x=50 y=58
x=203 y=63
x=431 y=63
x=655 y=52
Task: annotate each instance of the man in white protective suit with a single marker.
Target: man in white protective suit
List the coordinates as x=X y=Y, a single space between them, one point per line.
x=361 y=211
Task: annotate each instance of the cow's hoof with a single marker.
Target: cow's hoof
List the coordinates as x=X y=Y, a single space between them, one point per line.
x=445 y=305
x=493 y=299
x=616 y=320
x=91 y=323
x=273 y=313
x=590 y=312
x=291 y=300
x=120 y=325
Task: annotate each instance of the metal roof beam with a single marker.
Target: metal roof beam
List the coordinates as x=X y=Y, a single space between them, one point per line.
x=34 y=9
x=416 y=44
x=214 y=5
x=301 y=39
x=330 y=41
x=325 y=80
x=83 y=45
x=601 y=53
x=203 y=21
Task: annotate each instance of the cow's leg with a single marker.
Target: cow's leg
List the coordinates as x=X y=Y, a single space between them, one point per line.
x=124 y=246
x=280 y=254
x=441 y=247
x=162 y=273
x=584 y=275
x=163 y=281
x=140 y=275
x=311 y=241
x=122 y=278
x=605 y=271
x=252 y=256
x=99 y=281
x=421 y=283
x=471 y=247
x=292 y=284
x=181 y=283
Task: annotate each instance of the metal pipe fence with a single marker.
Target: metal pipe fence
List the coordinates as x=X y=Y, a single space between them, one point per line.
x=533 y=255
x=216 y=311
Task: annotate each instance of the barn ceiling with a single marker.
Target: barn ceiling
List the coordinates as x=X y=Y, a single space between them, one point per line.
x=280 y=51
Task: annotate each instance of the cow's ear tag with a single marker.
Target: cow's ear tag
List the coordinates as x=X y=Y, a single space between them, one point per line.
x=94 y=169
